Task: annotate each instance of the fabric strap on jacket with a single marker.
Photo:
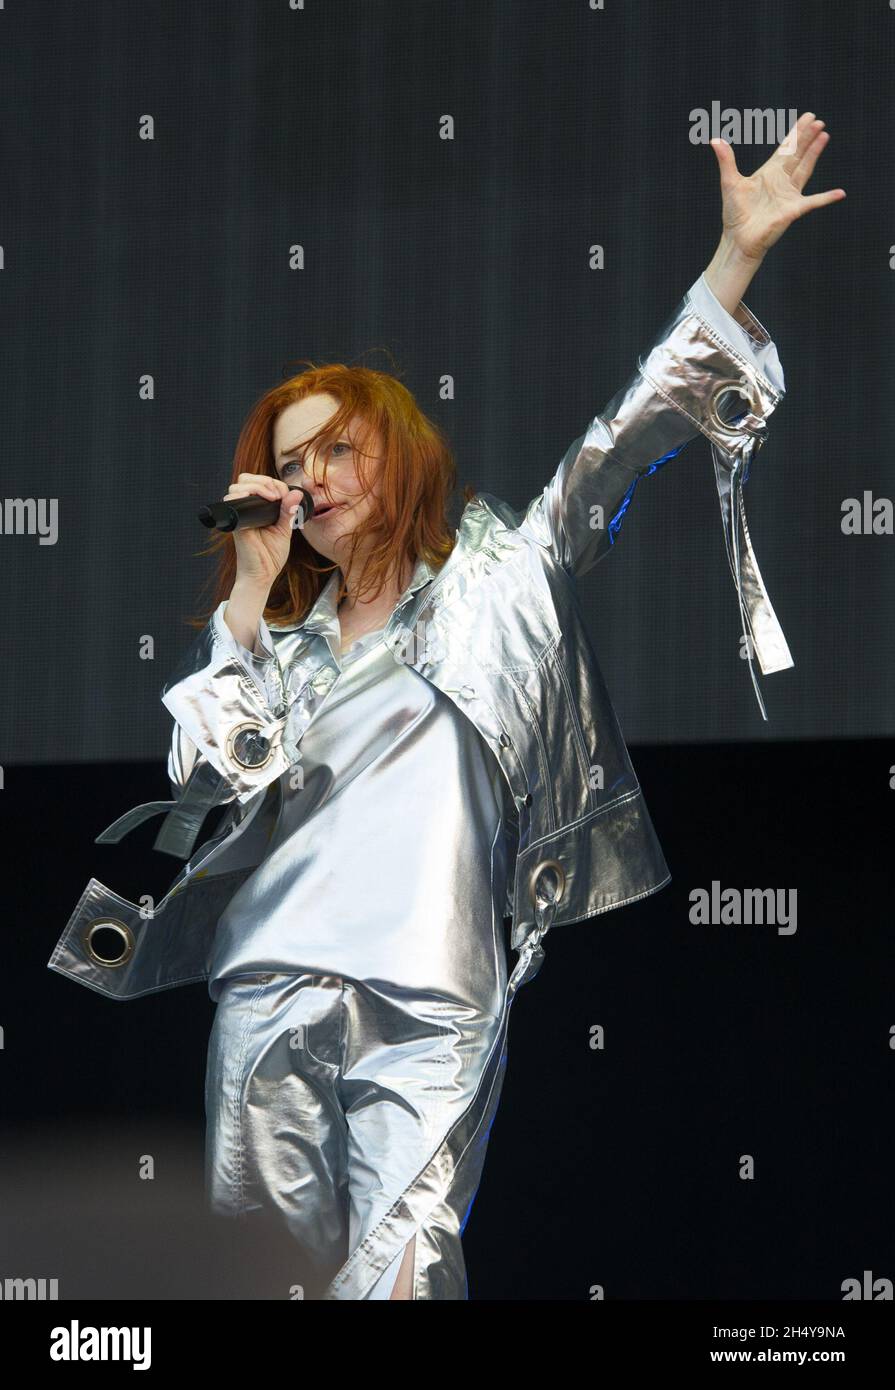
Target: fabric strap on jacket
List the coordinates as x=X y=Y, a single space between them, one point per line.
x=761 y=628
x=205 y=789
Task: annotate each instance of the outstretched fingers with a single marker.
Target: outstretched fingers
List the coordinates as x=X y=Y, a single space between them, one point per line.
x=802 y=170
x=797 y=140
x=819 y=200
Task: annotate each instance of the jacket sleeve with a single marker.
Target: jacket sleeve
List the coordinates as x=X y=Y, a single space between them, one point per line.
x=707 y=371
x=230 y=709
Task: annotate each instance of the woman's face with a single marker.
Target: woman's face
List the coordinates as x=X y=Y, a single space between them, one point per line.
x=329 y=533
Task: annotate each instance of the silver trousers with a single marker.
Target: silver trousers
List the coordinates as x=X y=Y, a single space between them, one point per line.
x=359 y=1113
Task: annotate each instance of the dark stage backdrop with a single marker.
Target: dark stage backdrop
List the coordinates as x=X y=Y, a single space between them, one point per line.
x=171 y=261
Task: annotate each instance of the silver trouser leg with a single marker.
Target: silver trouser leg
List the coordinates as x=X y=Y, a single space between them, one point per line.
x=360 y=1113
x=275 y=1131
x=435 y=1202
x=412 y=1064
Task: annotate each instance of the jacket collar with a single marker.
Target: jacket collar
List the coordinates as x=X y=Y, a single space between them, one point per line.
x=323 y=616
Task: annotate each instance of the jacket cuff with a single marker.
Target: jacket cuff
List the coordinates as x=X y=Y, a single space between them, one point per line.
x=264 y=669
x=226 y=700
x=741 y=330
x=721 y=375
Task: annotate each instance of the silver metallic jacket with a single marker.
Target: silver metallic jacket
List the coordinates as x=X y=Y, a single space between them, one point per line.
x=498 y=630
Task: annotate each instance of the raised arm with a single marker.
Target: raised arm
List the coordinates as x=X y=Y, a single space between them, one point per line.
x=712 y=368
x=701 y=354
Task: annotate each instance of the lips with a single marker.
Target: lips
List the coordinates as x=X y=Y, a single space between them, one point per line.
x=325 y=510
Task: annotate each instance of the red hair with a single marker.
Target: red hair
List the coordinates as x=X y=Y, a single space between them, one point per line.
x=417 y=478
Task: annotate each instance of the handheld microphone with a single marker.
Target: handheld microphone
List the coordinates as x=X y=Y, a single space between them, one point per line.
x=243 y=512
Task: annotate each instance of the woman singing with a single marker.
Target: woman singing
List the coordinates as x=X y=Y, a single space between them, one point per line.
x=418 y=745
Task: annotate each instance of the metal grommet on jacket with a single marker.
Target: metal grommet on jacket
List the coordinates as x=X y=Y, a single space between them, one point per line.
x=112 y=924
x=248 y=746
x=739 y=387
x=546 y=867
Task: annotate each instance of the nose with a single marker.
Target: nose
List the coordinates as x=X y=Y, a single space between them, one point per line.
x=308 y=475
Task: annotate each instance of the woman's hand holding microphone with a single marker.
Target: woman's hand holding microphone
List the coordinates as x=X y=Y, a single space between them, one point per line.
x=261 y=553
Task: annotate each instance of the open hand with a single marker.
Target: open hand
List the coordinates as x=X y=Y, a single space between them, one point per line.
x=758 y=208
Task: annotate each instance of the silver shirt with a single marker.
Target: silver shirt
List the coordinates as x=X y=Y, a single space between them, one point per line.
x=389 y=863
